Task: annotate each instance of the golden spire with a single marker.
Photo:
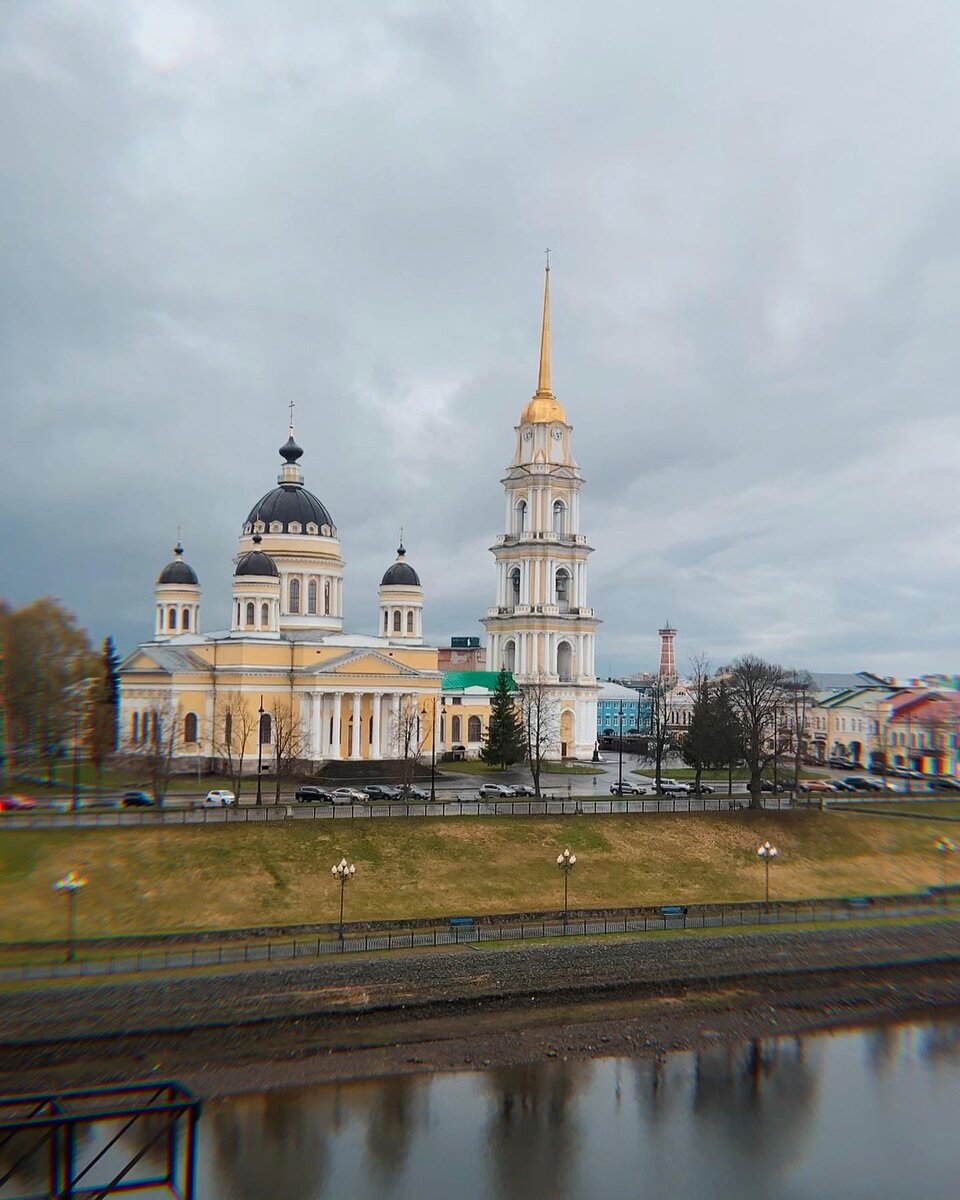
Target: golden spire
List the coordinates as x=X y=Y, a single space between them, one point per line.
x=543 y=382
x=544 y=406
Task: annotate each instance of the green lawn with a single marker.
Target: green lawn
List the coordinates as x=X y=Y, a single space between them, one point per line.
x=156 y=879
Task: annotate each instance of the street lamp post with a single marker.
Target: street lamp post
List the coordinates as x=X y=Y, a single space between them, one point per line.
x=566 y=862
x=342 y=872
x=767 y=853
x=68 y=886
x=260 y=752
x=944 y=847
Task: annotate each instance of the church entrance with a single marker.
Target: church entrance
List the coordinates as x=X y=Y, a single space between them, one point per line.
x=566 y=732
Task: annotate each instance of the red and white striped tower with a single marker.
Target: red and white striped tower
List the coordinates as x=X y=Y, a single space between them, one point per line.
x=668 y=658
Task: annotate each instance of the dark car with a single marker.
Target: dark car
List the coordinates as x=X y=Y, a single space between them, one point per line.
x=412 y=793
x=313 y=795
x=136 y=800
x=839 y=785
x=860 y=784
x=944 y=783
x=523 y=789
x=379 y=791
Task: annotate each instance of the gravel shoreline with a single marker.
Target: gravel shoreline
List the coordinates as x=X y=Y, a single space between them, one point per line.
x=466 y=1007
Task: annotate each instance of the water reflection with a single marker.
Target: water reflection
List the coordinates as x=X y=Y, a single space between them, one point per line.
x=533 y=1131
x=865 y=1113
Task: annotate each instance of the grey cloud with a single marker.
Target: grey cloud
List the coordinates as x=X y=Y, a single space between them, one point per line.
x=209 y=212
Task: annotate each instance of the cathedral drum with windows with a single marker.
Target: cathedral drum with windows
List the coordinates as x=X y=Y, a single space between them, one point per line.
x=541 y=628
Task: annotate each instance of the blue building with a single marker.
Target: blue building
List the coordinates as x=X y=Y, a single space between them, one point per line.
x=637 y=710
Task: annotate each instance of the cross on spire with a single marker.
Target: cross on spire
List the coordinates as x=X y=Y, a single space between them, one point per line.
x=291 y=418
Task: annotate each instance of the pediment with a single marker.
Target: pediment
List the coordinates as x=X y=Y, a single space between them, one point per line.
x=365 y=662
x=140 y=660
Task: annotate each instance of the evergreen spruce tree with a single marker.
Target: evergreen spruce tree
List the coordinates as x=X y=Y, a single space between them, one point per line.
x=103 y=710
x=505 y=741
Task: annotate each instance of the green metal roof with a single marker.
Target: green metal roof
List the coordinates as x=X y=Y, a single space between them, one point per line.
x=457 y=681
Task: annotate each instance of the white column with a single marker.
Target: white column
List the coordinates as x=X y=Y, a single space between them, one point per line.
x=394 y=731
x=336 y=740
x=315 y=725
x=376 y=701
x=355 y=743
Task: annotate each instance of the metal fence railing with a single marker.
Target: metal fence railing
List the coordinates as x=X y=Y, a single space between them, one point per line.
x=461 y=930
x=456 y=807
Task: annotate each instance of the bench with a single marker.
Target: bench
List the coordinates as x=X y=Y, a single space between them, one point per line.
x=458 y=923
x=859 y=901
x=673 y=910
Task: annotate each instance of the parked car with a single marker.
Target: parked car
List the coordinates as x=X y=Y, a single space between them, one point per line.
x=347 y=795
x=627 y=788
x=308 y=794
x=524 y=789
x=841 y=764
x=861 y=784
x=706 y=789
x=16 y=803
x=219 y=798
x=944 y=783
x=815 y=786
x=495 y=791
x=380 y=791
x=412 y=793
x=136 y=800
x=839 y=785
x=674 y=787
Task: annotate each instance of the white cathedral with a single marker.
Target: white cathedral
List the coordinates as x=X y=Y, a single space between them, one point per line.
x=287 y=645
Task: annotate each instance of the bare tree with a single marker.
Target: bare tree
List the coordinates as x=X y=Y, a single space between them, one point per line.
x=798 y=687
x=161 y=737
x=540 y=714
x=409 y=729
x=756 y=690
x=660 y=724
x=287 y=742
x=235 y=727
x=700 y=745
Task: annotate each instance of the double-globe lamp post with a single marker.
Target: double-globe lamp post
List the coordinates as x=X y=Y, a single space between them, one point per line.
x=767 y=854
x=69 y=885
x=342 y=872
x=566 y=862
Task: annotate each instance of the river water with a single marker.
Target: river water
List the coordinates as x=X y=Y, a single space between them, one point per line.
x=871 y=1113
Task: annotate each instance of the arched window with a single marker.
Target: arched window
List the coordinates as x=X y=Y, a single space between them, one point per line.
x=190 y=727
x=228 y=729
x=455 y=729
x=326 y=598
x=171 y=618
x=312 y=597
x=510 y=656
x=145 y=727
x=410 y=621
x=294 y=595
x=265 y=615
x=474 y=730
x=520 y=517
x=135 y=727
x=265 y=730
x=396 y=621
x=251 y=612
x=565 y=662
x=185 y=619
x=559 y=517
x=386 y=621
x=563 y=588
x=515 y=585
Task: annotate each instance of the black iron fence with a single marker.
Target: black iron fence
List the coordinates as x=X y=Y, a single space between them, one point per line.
x=454 y=807
x=464 y=930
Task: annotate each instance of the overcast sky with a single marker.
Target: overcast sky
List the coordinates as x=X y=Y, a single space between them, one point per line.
x=210 y=209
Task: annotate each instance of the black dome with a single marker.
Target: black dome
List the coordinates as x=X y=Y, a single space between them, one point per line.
x=256 y=562
x=178 y=571
x=290 y=502
x=401 y=574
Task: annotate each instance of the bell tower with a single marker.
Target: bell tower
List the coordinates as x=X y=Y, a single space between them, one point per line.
x=542 y=627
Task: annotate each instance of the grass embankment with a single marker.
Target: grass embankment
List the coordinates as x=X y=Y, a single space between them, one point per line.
x=152 y=880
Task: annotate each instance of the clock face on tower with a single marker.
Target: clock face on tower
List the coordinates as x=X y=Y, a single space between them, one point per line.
x=557 y=434
x=527 y=435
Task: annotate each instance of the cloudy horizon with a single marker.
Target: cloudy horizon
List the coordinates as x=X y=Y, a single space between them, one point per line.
x=213 y=209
